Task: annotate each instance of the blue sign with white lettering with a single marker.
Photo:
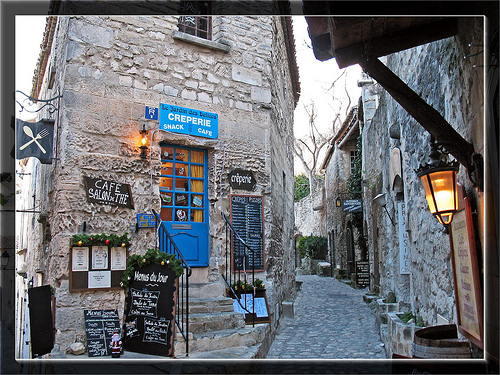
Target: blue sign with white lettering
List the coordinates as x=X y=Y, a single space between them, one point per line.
x=146 y=221
x=189 y=121
x=151 y=113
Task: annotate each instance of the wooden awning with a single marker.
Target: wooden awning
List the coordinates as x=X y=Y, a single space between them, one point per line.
x=348 y=38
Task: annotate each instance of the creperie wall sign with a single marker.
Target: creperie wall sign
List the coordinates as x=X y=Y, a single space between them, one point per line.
x=108 y=192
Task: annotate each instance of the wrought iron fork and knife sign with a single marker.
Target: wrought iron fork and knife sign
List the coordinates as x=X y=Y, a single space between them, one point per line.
x=35 y=139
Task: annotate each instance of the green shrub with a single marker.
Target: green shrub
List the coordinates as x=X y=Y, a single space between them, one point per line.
x=301 y=187
x=314 y=247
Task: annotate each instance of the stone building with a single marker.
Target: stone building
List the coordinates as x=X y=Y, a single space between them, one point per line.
x=410 y=252
x=239 y=70
x=394 y=146
x=340 y=202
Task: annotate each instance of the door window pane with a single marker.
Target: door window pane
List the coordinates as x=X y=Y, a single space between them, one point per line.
x=181 y=215
x=166 y=183
x=197 y=171
x=166 y=214
x=197 y=157
x=181 y=169
x=181 y=155
x=197 y=216
x=167 y=153
x=166 y=168
x=197 y=201
x=181 y=199
x=166 y=198
x=181 y=184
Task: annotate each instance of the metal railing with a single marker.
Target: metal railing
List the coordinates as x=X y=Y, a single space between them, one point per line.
x=241 y=261
x=167 y=244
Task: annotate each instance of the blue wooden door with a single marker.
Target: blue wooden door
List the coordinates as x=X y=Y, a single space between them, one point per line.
x=184 y=201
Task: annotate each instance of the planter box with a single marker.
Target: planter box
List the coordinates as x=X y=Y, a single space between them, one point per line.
x=400 y=335
x=383 y=309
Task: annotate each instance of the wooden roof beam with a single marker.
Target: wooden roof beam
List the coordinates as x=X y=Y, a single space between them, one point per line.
x=427 y=116
x=397 y=41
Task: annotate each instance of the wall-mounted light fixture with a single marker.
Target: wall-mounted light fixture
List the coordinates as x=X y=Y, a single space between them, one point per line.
x=439 y=179
x=338 y=202
x=144 y=142
x=5 y=259
x=380 y=199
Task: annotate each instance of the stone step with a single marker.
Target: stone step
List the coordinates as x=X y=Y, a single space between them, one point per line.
x=209 y=305
x=222 y=339
x=215 y=321
x=206 y=290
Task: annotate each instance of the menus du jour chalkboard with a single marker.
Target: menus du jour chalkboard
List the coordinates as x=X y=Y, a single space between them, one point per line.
x=247 y=219
x=150 y=313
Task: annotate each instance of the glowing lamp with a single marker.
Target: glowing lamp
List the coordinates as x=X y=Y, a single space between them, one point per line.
x=144 y=141
x=439 y=179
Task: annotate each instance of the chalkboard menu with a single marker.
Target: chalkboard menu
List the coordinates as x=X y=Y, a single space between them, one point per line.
x=247 y=220
x=150 y=313
x=362 y=274
x=99 y=327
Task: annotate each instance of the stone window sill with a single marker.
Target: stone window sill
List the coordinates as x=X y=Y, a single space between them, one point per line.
x=200 y=41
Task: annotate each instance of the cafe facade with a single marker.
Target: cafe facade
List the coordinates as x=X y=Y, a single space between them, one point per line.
x=155 y=116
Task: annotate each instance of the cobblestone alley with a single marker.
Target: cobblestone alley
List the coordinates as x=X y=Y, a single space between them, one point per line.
x=331 y=322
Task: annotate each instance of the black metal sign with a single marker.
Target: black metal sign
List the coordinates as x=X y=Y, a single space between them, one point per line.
x=362 y=274
x=352 y=205
x=35 y=139
x=108 y=192
x=247 y=220
x=150 y=311
x=41 y=320
x=242 y=179
x=100 y=325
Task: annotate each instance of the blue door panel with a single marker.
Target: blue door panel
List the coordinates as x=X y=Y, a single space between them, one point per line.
x=184 y=209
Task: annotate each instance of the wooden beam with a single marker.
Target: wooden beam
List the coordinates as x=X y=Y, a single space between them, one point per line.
x=427 y=116
x=397 y=41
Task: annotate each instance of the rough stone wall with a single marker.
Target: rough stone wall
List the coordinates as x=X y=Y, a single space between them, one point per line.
x=280 y=262
x=309 y=214
x=108 y=69
x=439 y=73
x=336 y=221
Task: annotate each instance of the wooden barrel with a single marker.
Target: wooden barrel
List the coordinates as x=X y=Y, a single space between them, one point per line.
x=440 y=342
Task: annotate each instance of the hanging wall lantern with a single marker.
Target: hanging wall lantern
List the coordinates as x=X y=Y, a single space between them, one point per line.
x=439 y=179
x=144 y=142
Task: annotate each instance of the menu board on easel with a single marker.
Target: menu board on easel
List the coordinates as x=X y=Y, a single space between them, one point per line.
x=150 y=314
x=247 y=216
x=466 y=275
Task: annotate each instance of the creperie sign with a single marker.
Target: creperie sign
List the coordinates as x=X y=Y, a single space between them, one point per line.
x=188 y=121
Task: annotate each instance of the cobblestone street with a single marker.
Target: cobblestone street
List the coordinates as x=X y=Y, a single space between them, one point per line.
x=331 y=322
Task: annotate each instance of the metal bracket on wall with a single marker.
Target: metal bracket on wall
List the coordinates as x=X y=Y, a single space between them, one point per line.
x=48 y=103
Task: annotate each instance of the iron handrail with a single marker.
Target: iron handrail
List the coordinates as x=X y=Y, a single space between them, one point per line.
x=182 y=308
x=230 y=273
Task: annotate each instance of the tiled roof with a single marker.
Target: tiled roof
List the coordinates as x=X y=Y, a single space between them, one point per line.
x=45 y=48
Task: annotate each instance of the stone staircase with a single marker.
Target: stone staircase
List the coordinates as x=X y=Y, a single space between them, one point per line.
x=216 y=331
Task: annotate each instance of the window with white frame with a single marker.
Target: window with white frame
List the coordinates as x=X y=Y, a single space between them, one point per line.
x=353 y=156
